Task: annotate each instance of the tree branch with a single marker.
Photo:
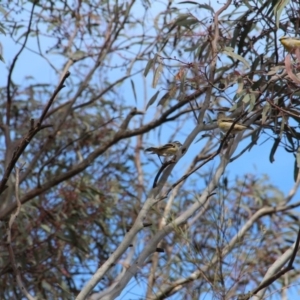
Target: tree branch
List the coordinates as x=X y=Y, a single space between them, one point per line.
x=9 y=80
x=34 y=129
x=9 y=241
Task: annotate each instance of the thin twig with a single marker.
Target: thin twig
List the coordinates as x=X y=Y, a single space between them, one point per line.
x=34 y=129
x=9 y=81
x=131 y=114
x=57 y=90
x=17 y=153
x=13 y=217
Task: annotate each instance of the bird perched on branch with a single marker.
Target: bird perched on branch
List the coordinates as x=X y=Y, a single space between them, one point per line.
x=290 y=43
x=165 y=150
x=225 y=123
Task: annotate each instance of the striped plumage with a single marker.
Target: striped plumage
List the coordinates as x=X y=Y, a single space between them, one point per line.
x=165 y=150
x=225 y=123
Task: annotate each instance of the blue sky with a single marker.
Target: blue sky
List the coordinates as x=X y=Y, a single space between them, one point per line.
x=256 y=161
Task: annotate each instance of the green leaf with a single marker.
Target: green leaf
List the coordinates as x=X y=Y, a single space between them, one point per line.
x=246 y=98
x=169 y=95
x=229 y=51
x=47 y=286
x=148 y=66
x=157 y=74
x=206 y=6
x=266 y=109
x=290 y=140
x=133 y=88
x=188 y=2
x=200 y=51
x=2 y=30
x=187 y=22
x=3 y=11
x=234 y=107
x=283 y=121
x=152 y=100
x=252 y=102
x=296 y=166
x=77 y=55
x=46 y=228
x=298 y=158
x=278 y=8
x=182 y=85
x=254 y=66
x=164 y=99
x=240 y=85
x=273 y=150
x=181 y=18
x=192 y=48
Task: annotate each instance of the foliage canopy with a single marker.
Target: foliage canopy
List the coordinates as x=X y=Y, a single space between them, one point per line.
x=89 y=85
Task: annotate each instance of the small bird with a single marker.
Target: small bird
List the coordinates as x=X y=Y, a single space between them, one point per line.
x=224 y=123
x=165 y=150
x=289 y=43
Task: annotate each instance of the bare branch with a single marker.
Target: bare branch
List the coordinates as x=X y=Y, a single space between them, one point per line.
x=9 y=241
x=269 y=278
x=18 y=152
x=57 y=90
x=9 y=80
x=31 y=133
